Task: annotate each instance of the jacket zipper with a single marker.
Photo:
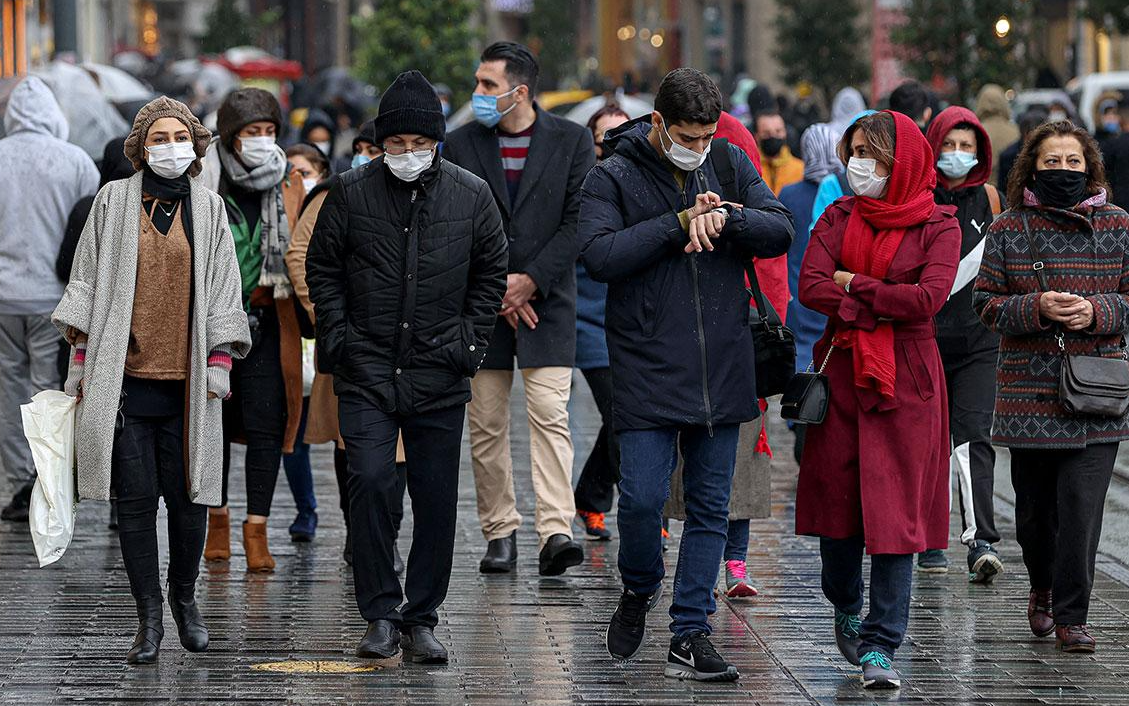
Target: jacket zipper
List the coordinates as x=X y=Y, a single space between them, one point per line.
x=701 y=327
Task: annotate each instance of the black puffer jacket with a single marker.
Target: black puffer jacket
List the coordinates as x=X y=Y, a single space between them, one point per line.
x=406 y=280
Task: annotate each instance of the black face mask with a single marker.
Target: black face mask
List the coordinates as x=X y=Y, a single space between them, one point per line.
x=1059 y=188
x=772 y=145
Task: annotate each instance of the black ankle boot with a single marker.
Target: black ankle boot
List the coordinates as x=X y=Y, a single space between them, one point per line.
x=150 y=630
x=189 y=624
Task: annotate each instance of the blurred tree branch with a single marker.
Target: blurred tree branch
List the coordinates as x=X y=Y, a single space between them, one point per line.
x=821 y=43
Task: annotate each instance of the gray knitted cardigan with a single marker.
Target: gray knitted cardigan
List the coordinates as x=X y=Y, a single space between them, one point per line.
x=99 y=302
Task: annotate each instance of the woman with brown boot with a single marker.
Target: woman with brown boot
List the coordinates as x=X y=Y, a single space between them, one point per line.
x=262 y=196
x=154 y=315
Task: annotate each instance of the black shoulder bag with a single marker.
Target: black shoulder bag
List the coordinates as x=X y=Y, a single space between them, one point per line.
x=774 y=344
x=807 y=395
x=1088 y=385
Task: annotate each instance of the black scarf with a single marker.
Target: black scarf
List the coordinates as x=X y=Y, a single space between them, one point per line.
x=170 y=191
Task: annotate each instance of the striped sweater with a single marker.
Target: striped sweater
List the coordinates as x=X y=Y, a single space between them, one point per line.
x=1085 y=251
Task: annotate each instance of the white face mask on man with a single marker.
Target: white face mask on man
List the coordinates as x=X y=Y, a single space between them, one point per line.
x=256 y=151
x=408 y=166
x=171 y=159
x=863 y=180
x=680 y=156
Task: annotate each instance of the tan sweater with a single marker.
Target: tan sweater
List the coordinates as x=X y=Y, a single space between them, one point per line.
x=158 y=332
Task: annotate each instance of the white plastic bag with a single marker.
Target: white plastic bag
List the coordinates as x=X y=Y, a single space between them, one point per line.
x=308 y=369
x=49 y=421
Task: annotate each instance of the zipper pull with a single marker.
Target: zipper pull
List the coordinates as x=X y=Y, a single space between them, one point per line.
x=413 y=196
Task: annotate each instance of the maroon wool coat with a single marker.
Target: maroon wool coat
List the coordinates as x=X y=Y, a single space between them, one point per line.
x=876 y=467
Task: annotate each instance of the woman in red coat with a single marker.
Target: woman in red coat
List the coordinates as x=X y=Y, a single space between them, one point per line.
x=874 y=475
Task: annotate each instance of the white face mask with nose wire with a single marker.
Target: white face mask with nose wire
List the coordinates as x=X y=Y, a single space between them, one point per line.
x=683 y=157
x=171 y=159
x=863 y=180
x=408 y=166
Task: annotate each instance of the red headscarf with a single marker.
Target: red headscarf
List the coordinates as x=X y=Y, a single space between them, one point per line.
x=874 y=233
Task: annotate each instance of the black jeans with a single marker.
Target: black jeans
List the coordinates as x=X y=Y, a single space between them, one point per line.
x=432 y=444
x=257 y=408
x=971 y=382
x=595 y=490
x=341 y=470
x=1059 y=500
x=148 y=463
x=891 y=576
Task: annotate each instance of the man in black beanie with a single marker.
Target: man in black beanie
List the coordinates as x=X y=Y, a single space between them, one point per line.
x=406 y=270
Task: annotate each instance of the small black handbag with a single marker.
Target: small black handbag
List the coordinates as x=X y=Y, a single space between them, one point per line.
x=807 y=395
x=774 y=344
x=1088 y=385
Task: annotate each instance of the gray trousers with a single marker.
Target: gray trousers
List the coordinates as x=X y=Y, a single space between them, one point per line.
x=29 y=353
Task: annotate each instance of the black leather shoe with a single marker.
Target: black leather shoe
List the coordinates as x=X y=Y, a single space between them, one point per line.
x=501 y=555
x=397 y=561
x=381 y=641
x=189 y=623
x=150 y=630
x=421 y=647
x=558 y=554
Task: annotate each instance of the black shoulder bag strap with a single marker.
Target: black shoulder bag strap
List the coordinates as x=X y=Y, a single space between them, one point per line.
x=1038 y=265
x=727 y=178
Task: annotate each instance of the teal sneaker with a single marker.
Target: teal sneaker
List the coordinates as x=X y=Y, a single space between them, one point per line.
x=878 y=673
x=847 y=635
x=933 y=561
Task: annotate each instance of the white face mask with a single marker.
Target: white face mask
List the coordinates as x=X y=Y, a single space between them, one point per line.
x=323 y=147
x=256 y=151
x=171 y=159
x=863 y=180
x=684 y=158
x=408 y=166
x=309 y=184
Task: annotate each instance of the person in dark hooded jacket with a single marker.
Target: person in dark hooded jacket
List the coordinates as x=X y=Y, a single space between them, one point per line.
x=653 y=226
x=968 y=350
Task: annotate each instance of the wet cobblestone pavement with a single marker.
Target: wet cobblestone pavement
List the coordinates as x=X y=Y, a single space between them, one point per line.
x=521 y=639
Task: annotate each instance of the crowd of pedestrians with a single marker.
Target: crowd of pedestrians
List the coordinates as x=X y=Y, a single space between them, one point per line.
x=954 y=276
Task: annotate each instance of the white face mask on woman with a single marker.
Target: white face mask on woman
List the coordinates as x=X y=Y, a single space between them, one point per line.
x=171 y=159
x=256 y=151
x=863 y=180
x=408 y=166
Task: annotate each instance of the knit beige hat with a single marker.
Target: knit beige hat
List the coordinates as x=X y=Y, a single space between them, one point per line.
x=154 y=110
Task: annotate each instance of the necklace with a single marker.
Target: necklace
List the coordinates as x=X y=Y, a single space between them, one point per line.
x=168 y=212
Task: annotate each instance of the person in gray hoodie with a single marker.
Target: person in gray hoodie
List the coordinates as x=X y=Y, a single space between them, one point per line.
x=43 y=177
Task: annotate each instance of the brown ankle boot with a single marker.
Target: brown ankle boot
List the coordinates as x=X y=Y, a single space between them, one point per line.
x=1074 y=638
x=255 y=544
x=218 y=545
x=1039 y=614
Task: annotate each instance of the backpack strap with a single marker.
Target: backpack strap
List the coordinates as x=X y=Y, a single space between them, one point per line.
x=993 y=199
x=723 y=168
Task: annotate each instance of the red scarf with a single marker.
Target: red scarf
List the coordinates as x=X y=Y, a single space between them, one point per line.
x=874 y=233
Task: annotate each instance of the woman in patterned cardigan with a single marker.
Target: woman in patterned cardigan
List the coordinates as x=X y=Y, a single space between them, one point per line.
x=1062 y=463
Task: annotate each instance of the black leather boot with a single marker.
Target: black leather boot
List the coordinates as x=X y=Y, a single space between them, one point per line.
x=501 y=555
x=381 y=640
x=189 y=623
x=421 y=647
x=150 y=630
x=559 y=553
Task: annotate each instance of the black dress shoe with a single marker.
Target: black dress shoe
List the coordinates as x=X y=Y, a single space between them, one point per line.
x=381 y=640
x=150 y=630
x=558 y=554
x=189 y=623
x=397 y=561
x=501 y=555
x=421 y=647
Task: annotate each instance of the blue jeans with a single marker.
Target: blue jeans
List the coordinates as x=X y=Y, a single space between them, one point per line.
x=737 y=542
x=647 y=461
x=890 y=578
x=299 y=474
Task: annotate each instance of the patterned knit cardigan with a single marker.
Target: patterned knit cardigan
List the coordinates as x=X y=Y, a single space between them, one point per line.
x=1085 y=251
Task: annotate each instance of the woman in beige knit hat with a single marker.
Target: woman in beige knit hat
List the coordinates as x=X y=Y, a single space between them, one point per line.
x=154 y=314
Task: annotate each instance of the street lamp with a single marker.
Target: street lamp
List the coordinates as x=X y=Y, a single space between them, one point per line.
x=1003 y=26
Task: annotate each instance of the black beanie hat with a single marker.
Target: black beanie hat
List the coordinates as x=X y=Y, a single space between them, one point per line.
x=410 y=107
x=366 y=134
x=243 y=107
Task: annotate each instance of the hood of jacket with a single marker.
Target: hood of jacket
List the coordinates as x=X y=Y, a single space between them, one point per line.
x=945 y=121
x=318 y=118
x=32 y=108
x=847 y=104
x=630 y=141
x=992 y=103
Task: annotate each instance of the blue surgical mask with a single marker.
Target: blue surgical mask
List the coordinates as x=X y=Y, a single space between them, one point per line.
x=1113 y=126
x=360 y=159
x=956 y=164
x=486 y=107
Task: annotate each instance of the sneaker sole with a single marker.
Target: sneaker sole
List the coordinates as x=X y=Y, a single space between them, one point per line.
x=986 y=569
x=597 y=538
x=933 y=569
x=1077 y=649
x=881 y=683
x=741 y=590
x=681 y=671
x=642 y=637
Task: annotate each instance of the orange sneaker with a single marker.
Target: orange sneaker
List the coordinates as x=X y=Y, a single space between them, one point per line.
x=594 y=525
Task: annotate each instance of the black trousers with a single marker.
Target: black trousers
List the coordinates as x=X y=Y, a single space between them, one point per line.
x=432 y=445
x=341 y=470
x=1059 y=502
x=257 y=408
x=971 y=382
x=595 y=490
x=148 y=463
